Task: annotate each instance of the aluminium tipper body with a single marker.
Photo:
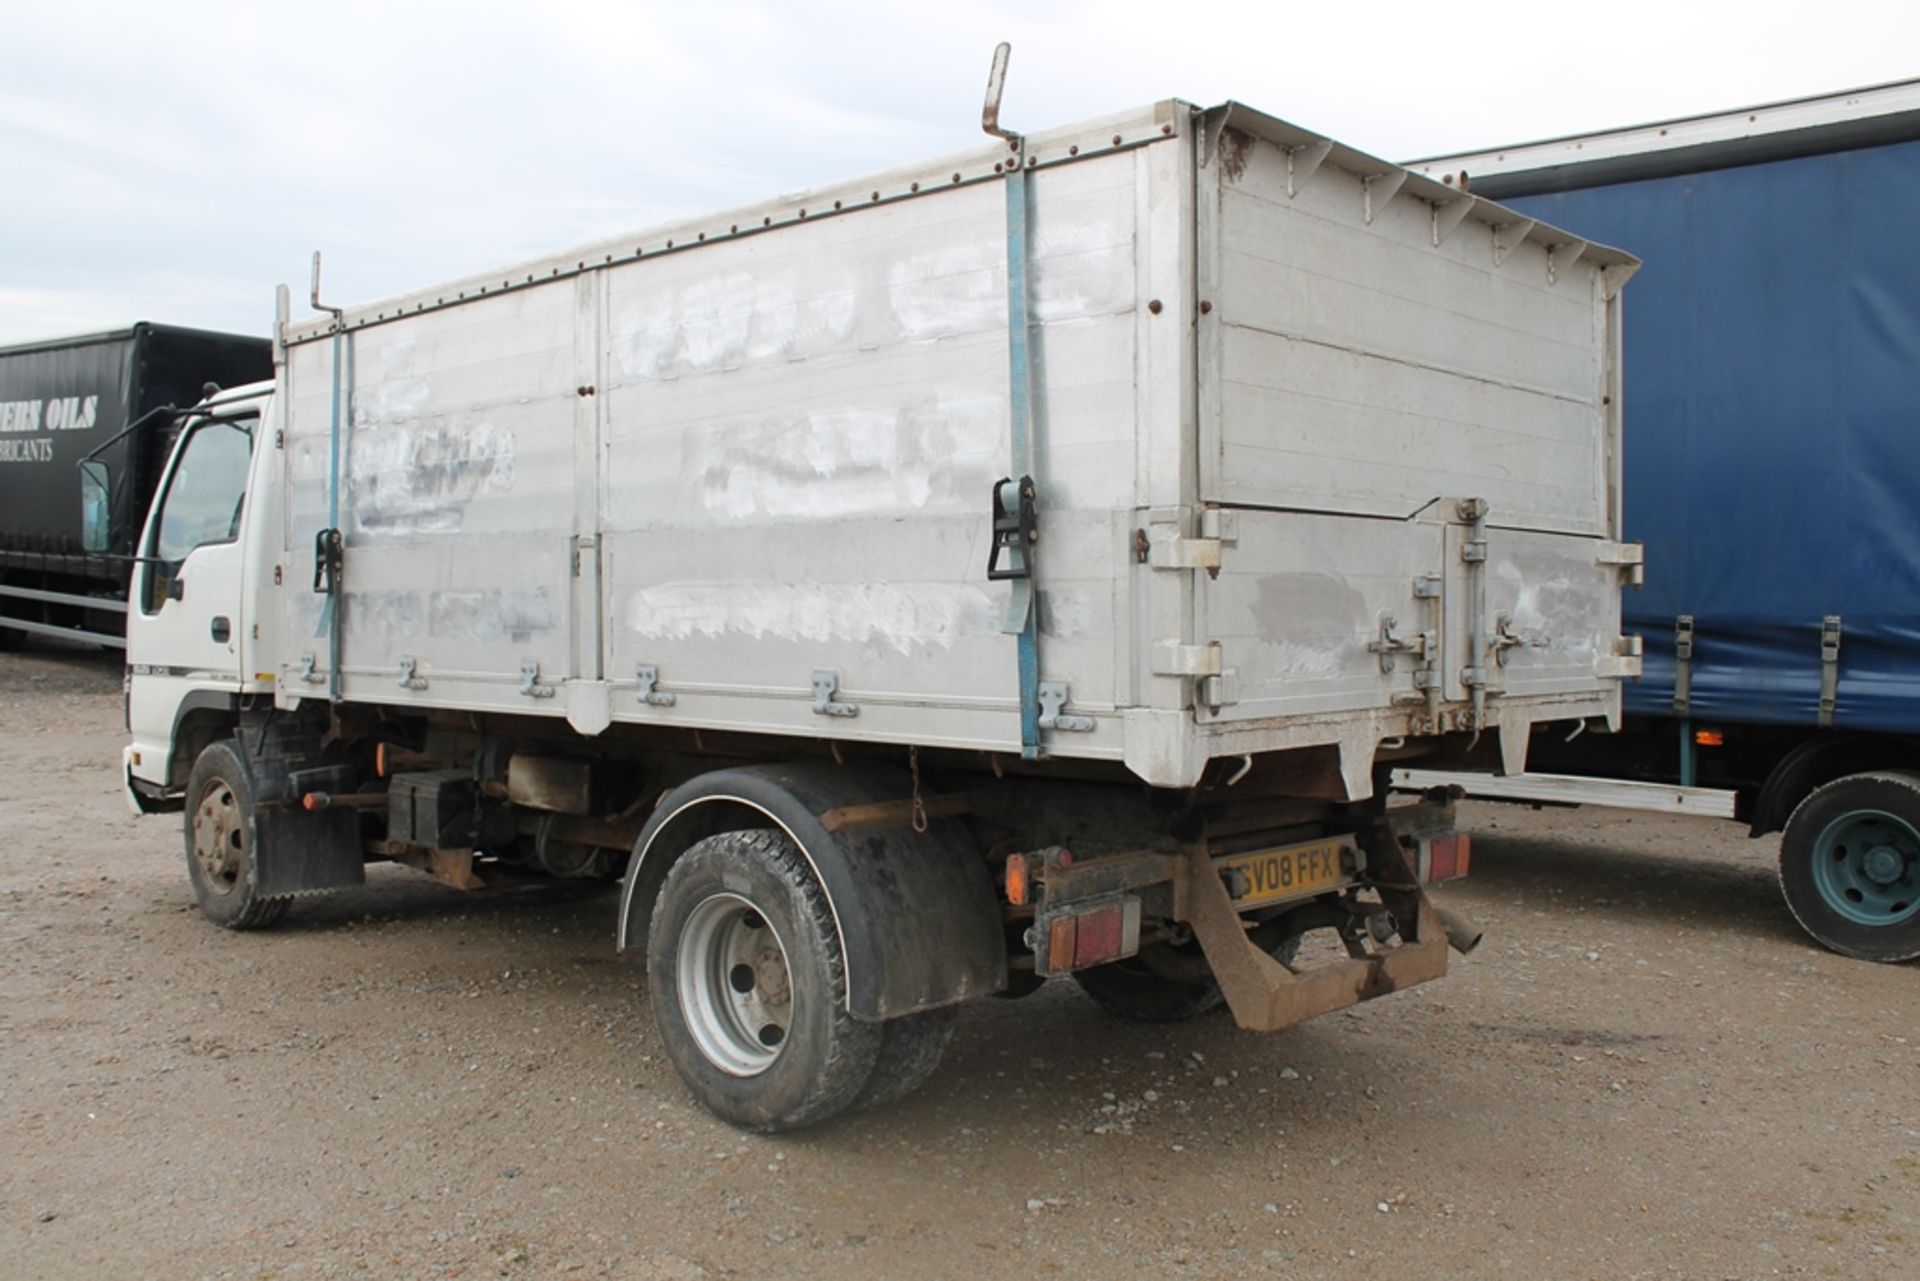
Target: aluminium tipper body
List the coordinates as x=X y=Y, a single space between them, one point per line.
x=1325 y=454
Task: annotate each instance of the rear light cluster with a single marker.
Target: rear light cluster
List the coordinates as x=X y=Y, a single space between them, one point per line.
x=1445 y=858
x=1086 y=936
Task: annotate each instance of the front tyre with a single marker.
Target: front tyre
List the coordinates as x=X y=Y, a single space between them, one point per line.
x=1850 y=866
x=749 y=985
x=223 y=842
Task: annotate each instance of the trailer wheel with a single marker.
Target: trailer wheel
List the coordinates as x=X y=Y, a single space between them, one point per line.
x=1850 y=866
x=910 y=1051
x=1138 y=988
x=222 y=841
x=749 y=985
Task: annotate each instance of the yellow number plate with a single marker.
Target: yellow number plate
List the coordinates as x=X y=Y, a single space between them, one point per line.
x=1293 y=871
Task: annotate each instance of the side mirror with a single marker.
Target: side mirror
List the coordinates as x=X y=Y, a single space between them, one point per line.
x=95 y=512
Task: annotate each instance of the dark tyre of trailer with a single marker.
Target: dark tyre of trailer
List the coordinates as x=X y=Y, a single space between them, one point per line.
x=223 y=842
x=1850 y=865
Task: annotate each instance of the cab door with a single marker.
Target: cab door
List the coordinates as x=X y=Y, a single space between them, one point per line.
x=183 y=623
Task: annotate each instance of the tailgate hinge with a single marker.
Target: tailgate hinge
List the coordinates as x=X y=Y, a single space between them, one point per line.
x=1215 y=684
x=1630 y=559
x=1623 y=662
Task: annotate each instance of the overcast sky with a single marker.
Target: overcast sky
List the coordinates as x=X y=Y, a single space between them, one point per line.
x=173 y=162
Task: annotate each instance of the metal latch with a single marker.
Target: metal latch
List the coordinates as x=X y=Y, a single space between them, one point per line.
x=1505 y=638
x=649 y=692
x=530 y=681
x=1683 y=664
x=1053 y=697
x=1829 y=667
x=1015 y=529
x=825 y=686
x=409 y=673
x=307 y=672
x=1388 y=645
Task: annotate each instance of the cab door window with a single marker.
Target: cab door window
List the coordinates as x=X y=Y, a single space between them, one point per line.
x=202 y=504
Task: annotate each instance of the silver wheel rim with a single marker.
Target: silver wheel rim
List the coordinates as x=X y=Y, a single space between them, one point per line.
x=736 y=990
x=219 y=839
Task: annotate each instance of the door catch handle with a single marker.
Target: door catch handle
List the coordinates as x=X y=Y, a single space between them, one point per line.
x=221 y=628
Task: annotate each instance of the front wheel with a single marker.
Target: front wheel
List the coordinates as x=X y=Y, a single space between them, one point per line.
x=223 y=842
x=749 y=985
x=1850 y=866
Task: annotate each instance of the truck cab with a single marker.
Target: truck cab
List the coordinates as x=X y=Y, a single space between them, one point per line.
x=190 y=633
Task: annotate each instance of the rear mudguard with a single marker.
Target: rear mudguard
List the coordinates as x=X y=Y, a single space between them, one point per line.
x=918 y=919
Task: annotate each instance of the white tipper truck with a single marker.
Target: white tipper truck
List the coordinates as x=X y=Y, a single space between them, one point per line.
x=1025 y=564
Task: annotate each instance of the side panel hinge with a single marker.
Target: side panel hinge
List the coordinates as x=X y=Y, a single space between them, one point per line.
x=648 y=677
x=1168 y=548
x=826 y=686
x=530 y=685
x=1054 y=697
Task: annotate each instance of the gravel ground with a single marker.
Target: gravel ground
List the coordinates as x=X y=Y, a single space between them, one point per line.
x=1645 y=1072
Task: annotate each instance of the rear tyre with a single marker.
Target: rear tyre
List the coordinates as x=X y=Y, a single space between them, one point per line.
x=1850 y=866
x=223 y=842
x=748 y=985
x=1136 y=989
x=910 y=1052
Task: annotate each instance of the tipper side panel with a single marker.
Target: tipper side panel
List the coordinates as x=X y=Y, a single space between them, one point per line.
x=708 y=474
x=455 y=496
x=803 y=433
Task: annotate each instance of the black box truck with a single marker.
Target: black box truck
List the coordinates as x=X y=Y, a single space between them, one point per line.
x=84 y=432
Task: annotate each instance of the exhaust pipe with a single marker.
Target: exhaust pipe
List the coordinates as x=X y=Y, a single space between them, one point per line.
x=1462 y=935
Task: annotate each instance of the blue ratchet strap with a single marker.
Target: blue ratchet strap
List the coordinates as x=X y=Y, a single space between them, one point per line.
x=1022 y=615
x=330 y=620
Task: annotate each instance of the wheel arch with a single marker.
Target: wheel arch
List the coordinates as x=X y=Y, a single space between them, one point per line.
x=915 y=914
x=203 y=718
x=1814 y=762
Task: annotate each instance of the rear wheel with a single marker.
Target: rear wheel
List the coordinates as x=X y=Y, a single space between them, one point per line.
x=223 y=842
x=910 y=1052
x=749 y=985
x=1850 y=866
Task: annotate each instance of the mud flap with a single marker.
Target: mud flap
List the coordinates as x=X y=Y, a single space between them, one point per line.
x=307 y=851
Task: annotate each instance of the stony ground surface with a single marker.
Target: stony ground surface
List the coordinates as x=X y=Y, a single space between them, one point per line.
x=1645 y=1072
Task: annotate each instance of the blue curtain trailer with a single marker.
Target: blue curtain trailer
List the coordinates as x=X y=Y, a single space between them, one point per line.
x=1771 y=470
